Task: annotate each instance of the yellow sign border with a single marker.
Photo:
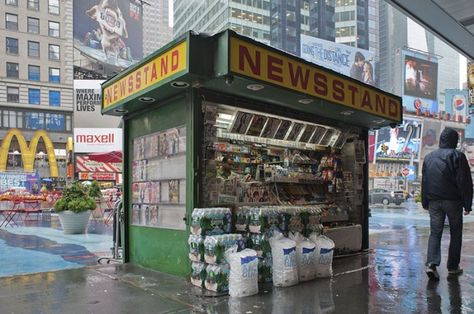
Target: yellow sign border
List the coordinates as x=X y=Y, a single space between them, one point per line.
x=172 y=61
x=257 y=62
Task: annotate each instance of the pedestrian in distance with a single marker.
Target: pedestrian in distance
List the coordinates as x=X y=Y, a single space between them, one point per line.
x=446 y=190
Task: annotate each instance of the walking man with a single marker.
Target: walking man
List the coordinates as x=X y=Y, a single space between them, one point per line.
x=446 y=191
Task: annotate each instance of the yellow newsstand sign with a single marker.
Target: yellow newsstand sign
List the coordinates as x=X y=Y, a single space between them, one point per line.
x=172 y=61
x=272 y=67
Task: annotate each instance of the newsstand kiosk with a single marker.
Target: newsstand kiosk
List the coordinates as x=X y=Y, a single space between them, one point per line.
x=225 y=121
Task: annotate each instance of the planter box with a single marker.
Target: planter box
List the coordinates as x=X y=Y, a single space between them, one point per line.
x=73 y=223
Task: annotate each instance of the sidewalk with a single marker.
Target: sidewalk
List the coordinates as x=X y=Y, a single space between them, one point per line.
x=389 y=279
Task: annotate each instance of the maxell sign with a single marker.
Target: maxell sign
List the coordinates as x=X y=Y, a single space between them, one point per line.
x=97 y=140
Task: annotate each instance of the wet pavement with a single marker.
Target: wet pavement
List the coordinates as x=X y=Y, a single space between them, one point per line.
x=389 y=278
x=40 y=245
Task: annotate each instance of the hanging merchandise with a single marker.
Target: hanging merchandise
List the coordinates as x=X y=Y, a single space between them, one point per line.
x=243 y=278
x=305 y=257
x=324 y=255
x=284 y=268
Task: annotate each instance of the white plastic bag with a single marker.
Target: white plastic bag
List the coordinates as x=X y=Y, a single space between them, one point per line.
x=305 y=257
x=243 y=278
x=324 y=255
x=285 y=269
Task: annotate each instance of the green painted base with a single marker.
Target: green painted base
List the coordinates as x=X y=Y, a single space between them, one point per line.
x=160 y=249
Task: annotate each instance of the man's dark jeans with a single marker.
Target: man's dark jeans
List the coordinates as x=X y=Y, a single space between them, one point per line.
x=438 y=212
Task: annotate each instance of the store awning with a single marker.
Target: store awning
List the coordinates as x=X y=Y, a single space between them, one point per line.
x=115 y=156
x=239 y=66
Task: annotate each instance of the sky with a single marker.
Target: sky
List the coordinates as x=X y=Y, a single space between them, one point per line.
x=170 y=14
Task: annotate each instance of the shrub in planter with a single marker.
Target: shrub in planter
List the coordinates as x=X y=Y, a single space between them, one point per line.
x=74 y=208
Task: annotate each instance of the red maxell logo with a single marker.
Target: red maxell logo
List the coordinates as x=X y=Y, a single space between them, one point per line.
x=96 y=139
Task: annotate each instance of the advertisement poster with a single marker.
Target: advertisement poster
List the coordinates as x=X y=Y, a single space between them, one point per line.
x=19 y=180
x=456 y=104
x=97 y=140
x=430 y=139
x=470 y=81
x=469 y=151
x=271 y=127
x=241 y=122
x=371 y=146
x=344 y=59
x=108 y=32
x=420 y=82
x=87 y=106
x=399 y=144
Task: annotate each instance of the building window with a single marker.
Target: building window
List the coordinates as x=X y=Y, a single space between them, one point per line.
x=34 y=120
x=54 y=98
x=54 y=122
x=19 y=119
x=33 y=4
x=12 y=70
x=53 y=6
x=33 y=25
x=54 y=75
x=53 y=29
x=68 y=123
x=33 y=72
x=12 y=45
x=34 y=96
x=53 y=52
x=12 y=2
x=13 y=94
x=9 y=118
x=11 y=21
x=33 y=49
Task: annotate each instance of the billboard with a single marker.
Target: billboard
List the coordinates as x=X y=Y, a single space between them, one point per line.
x=108 y=32
x=430 y=138
x=456 y=103
x=85 y=164
x=347 y=60
x=98 y=140
x=19 y=180
x=87 y=106
x=470 y=81
x=420 y=82
x=399 y=144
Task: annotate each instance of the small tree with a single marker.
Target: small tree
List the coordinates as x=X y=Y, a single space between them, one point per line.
x=94 y=190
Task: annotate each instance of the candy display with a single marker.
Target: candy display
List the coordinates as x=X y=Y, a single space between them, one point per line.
x=273 y=181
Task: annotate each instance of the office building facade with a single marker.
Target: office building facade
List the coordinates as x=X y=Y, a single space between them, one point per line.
x=156 y=25
x=249 y=18
x=36 y=71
